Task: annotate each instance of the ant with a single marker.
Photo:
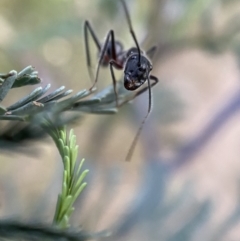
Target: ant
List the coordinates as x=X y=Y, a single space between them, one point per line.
x=134 y=62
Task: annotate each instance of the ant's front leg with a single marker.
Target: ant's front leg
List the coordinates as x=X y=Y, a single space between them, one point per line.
x=116 y=65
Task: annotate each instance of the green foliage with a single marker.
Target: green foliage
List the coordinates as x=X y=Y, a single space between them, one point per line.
x=30 y=106
x=72 y=184
x=40 y=111
x=49 y=113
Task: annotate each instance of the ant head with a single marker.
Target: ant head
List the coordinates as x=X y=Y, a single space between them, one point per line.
x=136 y=73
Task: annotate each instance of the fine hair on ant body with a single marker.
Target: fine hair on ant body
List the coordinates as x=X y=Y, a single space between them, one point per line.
x=134 y=62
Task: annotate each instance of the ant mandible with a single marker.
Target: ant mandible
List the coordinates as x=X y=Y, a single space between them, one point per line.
x=136 y=65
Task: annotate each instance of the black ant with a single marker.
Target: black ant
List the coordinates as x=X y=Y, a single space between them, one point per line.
x=136 y=65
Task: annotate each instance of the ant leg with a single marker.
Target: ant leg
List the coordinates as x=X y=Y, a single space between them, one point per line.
x=88 y=28
x=102 y=54
x=131 y=30
x=114 y=63
x=150 y=52
x=133 y=145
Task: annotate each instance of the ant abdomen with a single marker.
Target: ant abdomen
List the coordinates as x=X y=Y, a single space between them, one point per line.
x=109 y=53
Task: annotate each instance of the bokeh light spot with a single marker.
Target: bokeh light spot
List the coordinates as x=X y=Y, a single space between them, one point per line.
x=57 y=51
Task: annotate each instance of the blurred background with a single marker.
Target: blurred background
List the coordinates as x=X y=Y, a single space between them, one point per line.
x=183 y=180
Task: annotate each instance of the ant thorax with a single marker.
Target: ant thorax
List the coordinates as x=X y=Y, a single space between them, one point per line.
x=136 y=71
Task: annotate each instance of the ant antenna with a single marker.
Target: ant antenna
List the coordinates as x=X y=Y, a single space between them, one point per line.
x=131 y=30
x=133 y=145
